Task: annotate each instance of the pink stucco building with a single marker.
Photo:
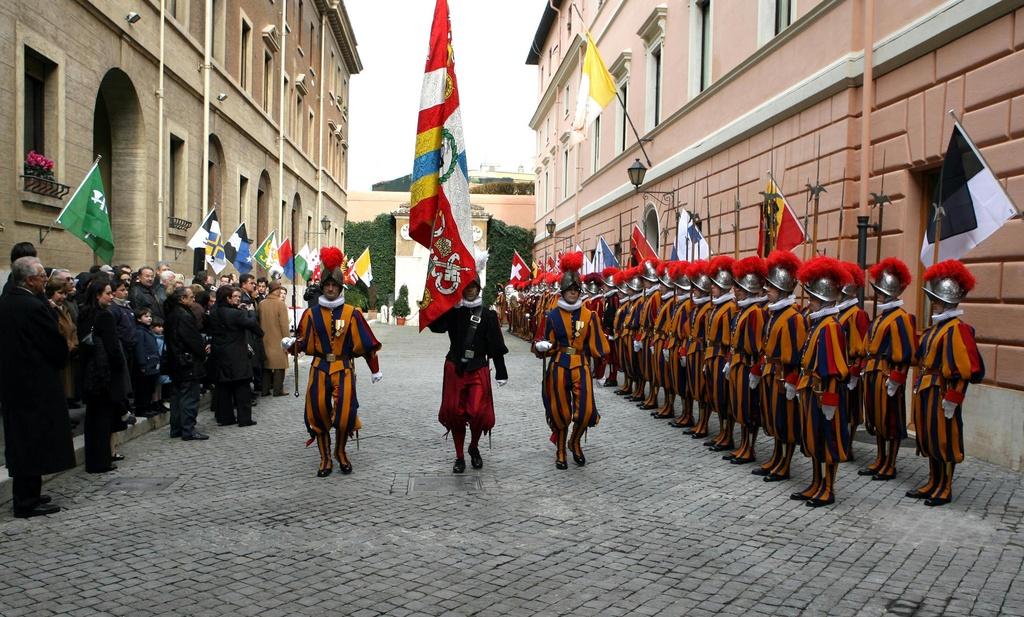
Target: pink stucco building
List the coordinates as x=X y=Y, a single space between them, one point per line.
x=722 y=91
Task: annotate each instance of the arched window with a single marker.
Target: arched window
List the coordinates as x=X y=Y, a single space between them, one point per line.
x=651 y=227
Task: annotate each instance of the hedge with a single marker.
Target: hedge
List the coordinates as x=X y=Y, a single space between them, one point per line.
x=502 y=240
x=379 y=235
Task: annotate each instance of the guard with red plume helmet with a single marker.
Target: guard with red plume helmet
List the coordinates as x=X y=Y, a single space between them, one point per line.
x=889 y=352
x=948 y=361
x=333 y=334
x=608 y=369
x=777 y=373
x=716 y=356
x=692 y=359
x=572 y=338
x=855 y=323
x=746 y=337
x=627 y=325
x=618 y=334
x=663 y=341
x=676 y=345
x=474 y=341
x=645 y=335
x=824 y=419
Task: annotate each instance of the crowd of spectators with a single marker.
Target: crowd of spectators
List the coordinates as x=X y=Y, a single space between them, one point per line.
x=127 y=342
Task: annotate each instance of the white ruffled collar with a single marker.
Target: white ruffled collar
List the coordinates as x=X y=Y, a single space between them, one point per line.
x=650 y=291
x=471 y=304
x=668 y=295
x=332 y=304
x=946 y=315
x=751 y=300
x=781 y=303
x=845 y=304
x=825 y=312
x=565 y=306
x=636 y=296
x=885 y=306
x=702 y=300
x=723 y=298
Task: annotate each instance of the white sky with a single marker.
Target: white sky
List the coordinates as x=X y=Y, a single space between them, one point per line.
x=497 y=90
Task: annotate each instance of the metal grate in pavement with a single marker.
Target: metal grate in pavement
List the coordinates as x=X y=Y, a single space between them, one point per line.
x=449 y=484
x=138 y=485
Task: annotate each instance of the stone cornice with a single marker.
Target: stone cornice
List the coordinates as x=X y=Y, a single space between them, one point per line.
x=569 y=62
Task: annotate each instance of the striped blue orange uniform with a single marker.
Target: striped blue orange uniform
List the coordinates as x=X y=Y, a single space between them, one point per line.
x=948 y=360
x=785 y=333
x=630 y=329
x=675 y=344
x=855 y=323
x=696 y=378
x=648 y=314
x=664 y=339
x=576 y=339
x=744 y=403
x=823 y=371
x=889 y=352
x=334 y=337
x=716 y=355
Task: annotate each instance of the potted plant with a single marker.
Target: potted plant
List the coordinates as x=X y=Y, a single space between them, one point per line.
x=38 y=166
x=401 y=309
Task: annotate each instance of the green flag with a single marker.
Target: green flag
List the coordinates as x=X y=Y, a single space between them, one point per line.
x=266 y=254
x=86 y=216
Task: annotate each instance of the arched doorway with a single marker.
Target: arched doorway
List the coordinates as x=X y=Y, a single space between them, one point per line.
x=119 y=139
x=215 y=187
x=294 y=230
x=652 y=230
x=262 y=208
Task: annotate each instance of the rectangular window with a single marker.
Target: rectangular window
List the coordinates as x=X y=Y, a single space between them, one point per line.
x=171 y=8
x=704 y=11
x=243 y=197
x=268 y=80
x=297 y=121
x=299 y=21
x=565 y=173
x=38 y=106
x=654 y=86
x=219 y=17
x=310 y=132
x=595 y=145
x=312 y=38
x=621 y=122
x=783 y=14
x=288 y=115
x=176 y=166
x=547 y=185
x=565 y=102
x=245 y=55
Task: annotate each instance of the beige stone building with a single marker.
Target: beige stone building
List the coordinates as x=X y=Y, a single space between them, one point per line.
x=511 y=209
x=84 y=79
x=722 y=91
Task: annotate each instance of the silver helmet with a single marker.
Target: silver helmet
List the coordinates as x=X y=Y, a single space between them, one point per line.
x=723 y=279
x=666 y=278
x=946 y=290
x=591 y=288
x=649 y=272
x=824 y=289
x=634 y=283
x=782 y=279
x=751 y=283
x=702 y=283
x=888 y=283
x=682 y=281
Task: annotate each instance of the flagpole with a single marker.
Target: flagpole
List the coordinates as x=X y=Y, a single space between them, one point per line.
x=842 y=208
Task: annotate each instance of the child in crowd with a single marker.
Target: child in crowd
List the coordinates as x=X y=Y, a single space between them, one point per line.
x=164 y=381
x=147 y=363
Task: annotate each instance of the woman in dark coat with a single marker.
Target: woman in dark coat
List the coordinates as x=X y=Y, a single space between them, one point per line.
x=228 y=327
x=186 y=358
x=105 y=376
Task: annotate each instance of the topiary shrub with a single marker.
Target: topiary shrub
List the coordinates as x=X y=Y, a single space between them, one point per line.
x=402 y=302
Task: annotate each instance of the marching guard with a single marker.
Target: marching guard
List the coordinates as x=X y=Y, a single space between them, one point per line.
x=572 y=339
x=778 y=372
x=948 y=360
x=747 y=327
x=475 y=340
x=334 y=334
x=718 y=348
x=890 y=350
x=824 y=425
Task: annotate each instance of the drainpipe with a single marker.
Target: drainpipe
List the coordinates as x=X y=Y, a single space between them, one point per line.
x=207 y=60
x=280 y=123
x=320 y=146
x=161 y=217
x=867 y=96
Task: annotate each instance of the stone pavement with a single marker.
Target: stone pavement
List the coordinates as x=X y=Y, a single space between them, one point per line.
x=653 y=525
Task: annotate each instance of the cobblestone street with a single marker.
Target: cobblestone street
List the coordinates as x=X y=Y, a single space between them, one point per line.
x=653 y=525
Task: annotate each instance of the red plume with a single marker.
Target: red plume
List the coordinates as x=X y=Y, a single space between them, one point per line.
x=552 y=278
x=571 y=261
x=609 y=271
x=855 y=273
x=696 y=269
x=783 y=259
x=619 y=277
x=722 y=262
x=953 y=269
x=593 y=277
x=663 y=267
x=749 y=265
x=331 y=257
x=824 y=267
x=678 y=269
x=893 y=265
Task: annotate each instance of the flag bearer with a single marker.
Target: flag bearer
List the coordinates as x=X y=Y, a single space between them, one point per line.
x=747 y=328
x=890 y=350
x=948 y=359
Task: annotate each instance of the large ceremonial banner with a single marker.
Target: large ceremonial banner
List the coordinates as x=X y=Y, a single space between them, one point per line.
x=439 y=217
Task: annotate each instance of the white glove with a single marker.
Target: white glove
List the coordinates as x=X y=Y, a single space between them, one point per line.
x=542 y=346
x=287 y=342
x=611 y=338
x=527 y=315
x=637 y=345
x=725 y=368
x=682 y=360
x=891 y=387
x=852 y=384
x=665 y=353
x=650 y=349
x=790 y=391
x=755 y=380
x=376 y=376
x=948 y=409
x=502 y=382
x=829 y=411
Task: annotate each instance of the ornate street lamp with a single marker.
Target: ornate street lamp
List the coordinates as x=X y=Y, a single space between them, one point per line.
x=325 y=223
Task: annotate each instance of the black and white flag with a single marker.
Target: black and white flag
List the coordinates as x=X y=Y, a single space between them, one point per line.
x=973 y=201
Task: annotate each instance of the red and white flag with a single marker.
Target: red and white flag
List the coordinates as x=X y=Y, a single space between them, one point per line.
x=642 y=249
x=439 y=218
x=520 y=271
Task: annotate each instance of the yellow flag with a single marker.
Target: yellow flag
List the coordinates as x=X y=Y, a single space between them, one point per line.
x=363 y=269
x=597 y=89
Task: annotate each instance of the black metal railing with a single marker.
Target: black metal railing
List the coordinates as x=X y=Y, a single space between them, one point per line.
x=45 y=186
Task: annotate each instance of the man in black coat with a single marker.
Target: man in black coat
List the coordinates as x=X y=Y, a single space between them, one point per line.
x=19 y=250
x=37 y=431
x=142 y=295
